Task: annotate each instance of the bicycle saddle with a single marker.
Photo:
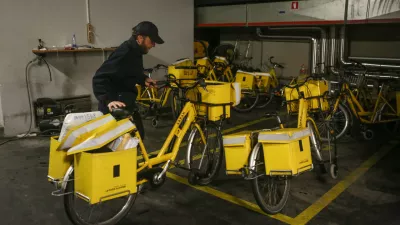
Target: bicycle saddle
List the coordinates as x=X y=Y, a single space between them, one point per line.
x=120 y=113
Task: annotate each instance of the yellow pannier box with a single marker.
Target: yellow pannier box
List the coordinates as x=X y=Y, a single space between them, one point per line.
x=200 y=48
x=286 y=151
x=237 y=148
x=246 y=79
x=263 y=81
x=315 y=92
x=59 y=162
x=203 y=65
x=221 y=59
x=213 y=102
x=183 y=69
x=104 y=176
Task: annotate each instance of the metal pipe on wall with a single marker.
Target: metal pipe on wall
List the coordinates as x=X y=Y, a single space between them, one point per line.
x=312 y=39
x=345 y=62
x=333 y=51
x=323 y=41
x=343 y=59
x=374 y=59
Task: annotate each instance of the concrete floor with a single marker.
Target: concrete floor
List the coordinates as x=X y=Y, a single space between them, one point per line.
x=366 y=192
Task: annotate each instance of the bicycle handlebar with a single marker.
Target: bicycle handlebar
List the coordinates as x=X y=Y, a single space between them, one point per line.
x=171 y=79
x=274 y=63
x=186 y=67
x=157 y=67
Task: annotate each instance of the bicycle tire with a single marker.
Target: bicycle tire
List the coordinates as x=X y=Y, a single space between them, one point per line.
x=144 y=110
x=340 y=131
x=390 y=128
x=77 y=220
x=264 y=104
x=191 y=156
x=257 y=153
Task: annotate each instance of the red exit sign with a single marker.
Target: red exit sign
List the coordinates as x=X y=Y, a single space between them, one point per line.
x=295 y=5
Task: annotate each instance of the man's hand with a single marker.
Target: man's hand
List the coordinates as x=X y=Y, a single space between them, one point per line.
x=150 y=82
x=115 y=104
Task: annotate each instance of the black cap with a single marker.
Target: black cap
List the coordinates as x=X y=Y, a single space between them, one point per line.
x=148 y=28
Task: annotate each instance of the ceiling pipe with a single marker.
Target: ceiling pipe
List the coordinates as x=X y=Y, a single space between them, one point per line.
x=312 y=39
x=374 y=59
x=323 y=41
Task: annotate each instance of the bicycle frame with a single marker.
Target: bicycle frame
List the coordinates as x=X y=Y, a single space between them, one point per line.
x=177 y=131
x=152 y=92
x=360 y=112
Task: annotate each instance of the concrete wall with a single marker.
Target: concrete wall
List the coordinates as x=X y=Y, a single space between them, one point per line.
x=55 y=21
x=290 y=54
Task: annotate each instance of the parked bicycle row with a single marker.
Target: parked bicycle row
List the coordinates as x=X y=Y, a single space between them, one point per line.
x=92 y=163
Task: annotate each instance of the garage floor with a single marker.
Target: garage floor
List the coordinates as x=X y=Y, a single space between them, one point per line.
x=366 y=192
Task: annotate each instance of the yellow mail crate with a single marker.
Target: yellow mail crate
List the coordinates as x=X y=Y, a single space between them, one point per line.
x=213 y=113
x=314 y=91
x=246 y=79
x=237 y=148
x=200 y=48
x=263 y=81
x=183 y=69
x=221 y=59
x=105 y=176
x=203 y=65
x=59 y=162
x=215 y=93
x=286 y=151
x=317 y=88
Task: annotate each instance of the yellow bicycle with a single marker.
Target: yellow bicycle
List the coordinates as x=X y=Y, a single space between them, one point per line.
x=347 y=102
x=269 y=158
x=149 y=101
x=94 y=164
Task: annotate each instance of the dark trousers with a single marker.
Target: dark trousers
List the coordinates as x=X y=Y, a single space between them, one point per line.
x=137 y=119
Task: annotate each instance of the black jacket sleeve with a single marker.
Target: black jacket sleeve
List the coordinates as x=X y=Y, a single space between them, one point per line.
x=119 y=74
x=104 y=81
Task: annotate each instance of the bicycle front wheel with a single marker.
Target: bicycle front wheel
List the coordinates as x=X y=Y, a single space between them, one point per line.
x=104 y=213
x=338 y=121
x=271 y=192
x=205 y=155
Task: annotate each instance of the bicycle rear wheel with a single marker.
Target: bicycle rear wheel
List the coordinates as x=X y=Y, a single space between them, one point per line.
x=270 y=192
x=109 y=214
x=265 y=99
x=206 y=158
x=338 y=121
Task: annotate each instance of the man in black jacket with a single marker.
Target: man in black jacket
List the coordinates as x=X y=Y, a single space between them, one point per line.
x=114 y=83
